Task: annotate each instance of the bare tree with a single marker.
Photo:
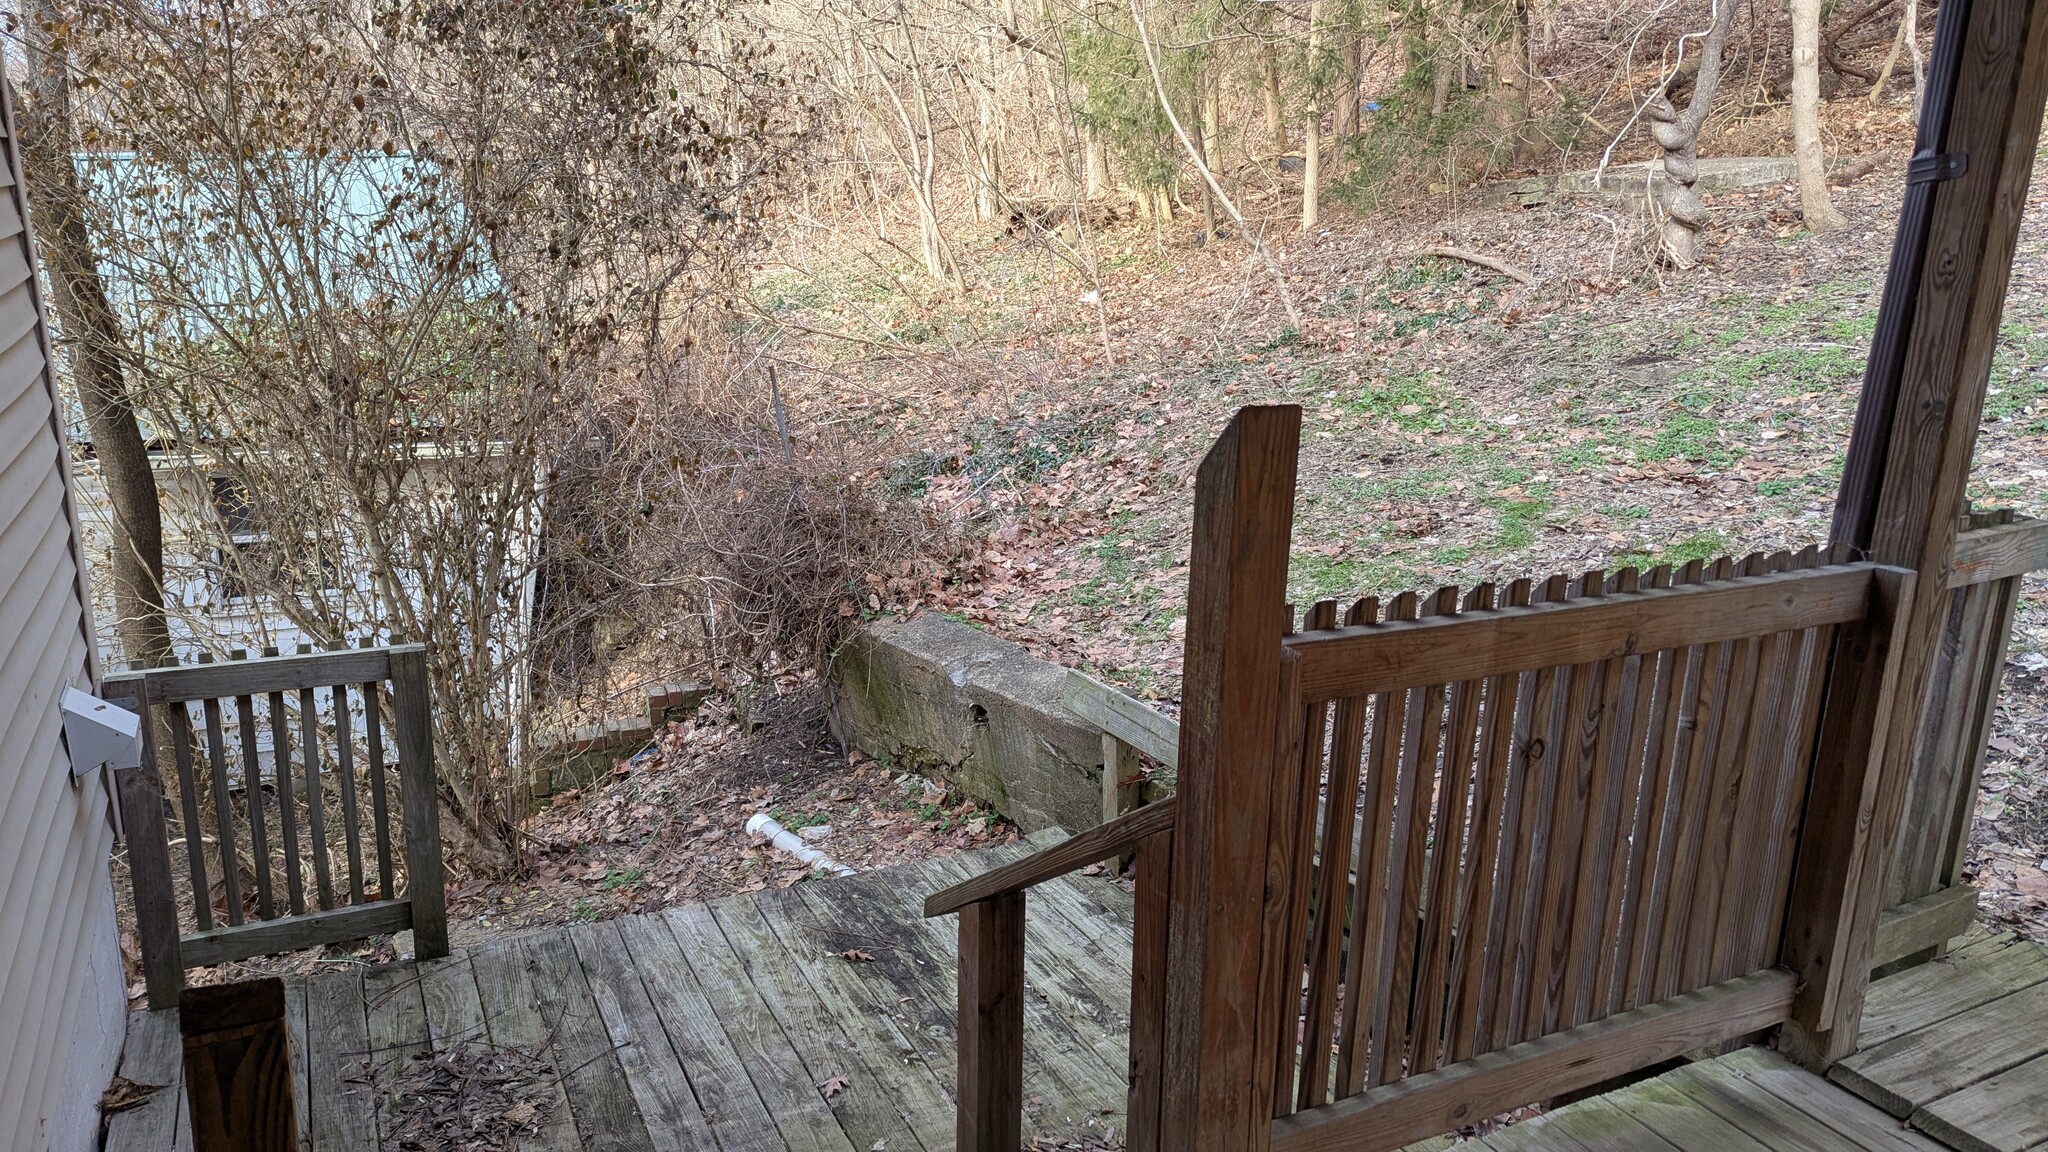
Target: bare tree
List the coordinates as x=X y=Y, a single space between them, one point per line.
x=96 y=348
x=1819 y=211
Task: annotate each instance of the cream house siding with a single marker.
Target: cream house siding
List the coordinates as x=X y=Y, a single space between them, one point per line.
x=62 y=992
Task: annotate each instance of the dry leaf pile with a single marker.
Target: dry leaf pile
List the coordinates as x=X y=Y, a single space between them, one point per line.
x=478 y=1096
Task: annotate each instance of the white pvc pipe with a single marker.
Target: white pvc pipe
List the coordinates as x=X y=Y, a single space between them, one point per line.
x=762 y=824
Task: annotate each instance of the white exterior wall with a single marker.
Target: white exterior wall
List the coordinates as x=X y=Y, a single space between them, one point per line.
x=62 y=991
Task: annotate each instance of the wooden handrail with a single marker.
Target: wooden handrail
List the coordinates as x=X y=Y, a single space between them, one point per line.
x=1999 y=551
x=262 y=674
x=1123 y=716
x=1090 y=847
x=1363 y=659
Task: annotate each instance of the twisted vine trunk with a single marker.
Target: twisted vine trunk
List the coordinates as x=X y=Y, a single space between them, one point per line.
x=1678 y=133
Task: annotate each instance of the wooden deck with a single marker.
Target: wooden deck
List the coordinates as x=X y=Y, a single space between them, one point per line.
x=720 y=1026
x=1959 y=1048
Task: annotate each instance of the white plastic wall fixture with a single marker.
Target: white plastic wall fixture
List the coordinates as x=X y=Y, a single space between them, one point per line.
x=99 y=733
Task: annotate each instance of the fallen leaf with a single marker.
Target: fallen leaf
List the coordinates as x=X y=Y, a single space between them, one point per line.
x=833 y=1087
x=856 y=954
x=124 y=1094
x=2006 y=745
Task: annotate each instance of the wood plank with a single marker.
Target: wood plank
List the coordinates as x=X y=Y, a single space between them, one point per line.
x=1860 y=1124
x=1999 y=552
x=380 y=805
x=397 y=1010
x=223 y=809
x=302 y=1084
x=1788 y=803
x=1924 y=923
x=1372 y=922
x=1930 y=992
x=341 y=1113
x=264 y=674
x=153 y=1054
x=1406 y=846
x=1351 y=661
x=1123 y=716
x=193 y=829
x=252 y=793
x=345 y=777
x=1596 y=1125
x=511 y=1011
x=1928 y=1063
x=600 y=1100
x=664 y=1090
x=1822 y=1121
x=1454 y=841
x=897 y=1103
x=1076 y=852
x=1476 y=945
x=287 y=811
x=1323 y=871
x=264 y=937
x=2001 y=1114
x=1441 y=1101
x=1646 y=877
x=785 y=1086
x=316 y=798
x=1663 y=1109
x=1541 y=740
x=1216 y=1042
x=1153 y=877
x=455 y=1010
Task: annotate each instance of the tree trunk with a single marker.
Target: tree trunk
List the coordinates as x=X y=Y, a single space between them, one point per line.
x=1312 y=129
x=1345 y=114
x=1276 y=126
x=1814 y=204
x=1678 y=133
x=1094 y=164
x=1913 y=48
x=97 y=351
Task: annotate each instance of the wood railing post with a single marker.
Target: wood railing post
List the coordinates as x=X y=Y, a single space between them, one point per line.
x=238 y=1076
x=991 y=1088
x=1154 y=883
x=141 y=794
x=1218 y=1066
x=412 y=708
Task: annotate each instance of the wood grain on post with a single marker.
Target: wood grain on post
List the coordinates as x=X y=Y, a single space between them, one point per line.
x=419 y=797
x=1908 y=463
x=990 y=1114
x=1218 y=1066
x=141 y=793
x=238 y=1082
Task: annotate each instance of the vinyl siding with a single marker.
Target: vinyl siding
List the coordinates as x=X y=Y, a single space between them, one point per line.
x=62 y=991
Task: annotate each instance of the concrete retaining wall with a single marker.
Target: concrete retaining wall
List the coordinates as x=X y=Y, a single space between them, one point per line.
x=943 y=698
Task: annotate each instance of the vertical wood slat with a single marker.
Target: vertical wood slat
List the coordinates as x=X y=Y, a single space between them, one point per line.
x=223 y=809
x=316 y=805
x=1578 y=761
x=1639 y=877
x=1319 y=914
x=1452 y=832
x=1596 y=900
x=345 y=775
x=1478 y=964
x=990 y=1102
x=2005 y=598
x=1389 y=815
x=380 y=805
x=1539 y=743
x=419 y=796
x=1723 y=784
x=1422 y=739
x=1367 y=761
x=1789 y=809
x=180 y=726
x=1704 y=706
x=287 y=806
x=252 y=787
x=1153 y=881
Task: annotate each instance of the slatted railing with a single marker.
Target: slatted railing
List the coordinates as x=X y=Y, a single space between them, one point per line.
x=1524 y=818
x=333 y=748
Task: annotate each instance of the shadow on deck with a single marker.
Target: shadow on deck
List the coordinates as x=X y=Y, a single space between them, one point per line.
x=757 y=1022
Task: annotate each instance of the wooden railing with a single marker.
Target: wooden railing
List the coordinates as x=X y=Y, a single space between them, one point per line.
x=309 y=733
x=1451 y=856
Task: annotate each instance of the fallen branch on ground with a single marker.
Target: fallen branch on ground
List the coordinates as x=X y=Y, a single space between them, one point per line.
x=1492 y=263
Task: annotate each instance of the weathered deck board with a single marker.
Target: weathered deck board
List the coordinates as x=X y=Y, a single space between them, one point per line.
x=1959 y=1047
x=722 y=1026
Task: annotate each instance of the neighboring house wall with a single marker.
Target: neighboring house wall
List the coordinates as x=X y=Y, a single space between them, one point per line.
x=62 y=991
